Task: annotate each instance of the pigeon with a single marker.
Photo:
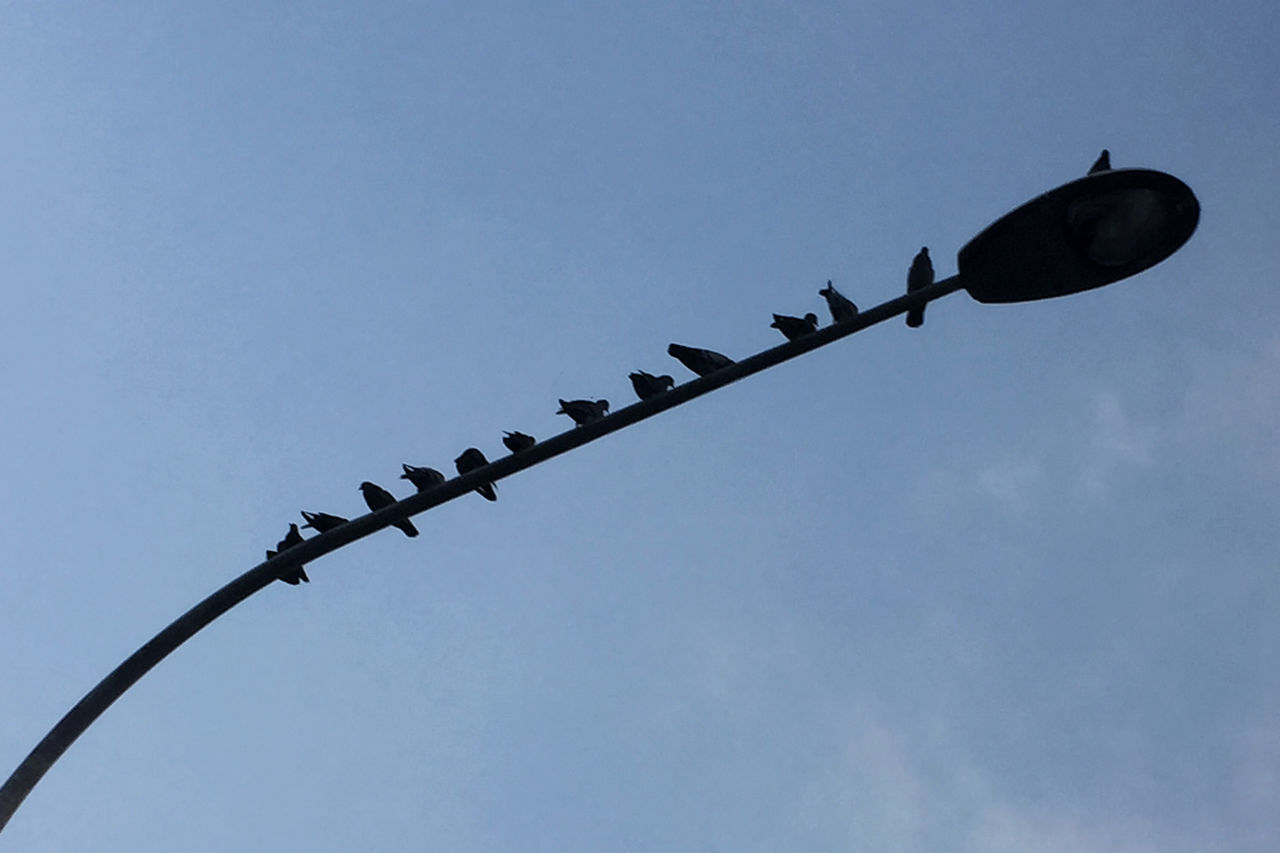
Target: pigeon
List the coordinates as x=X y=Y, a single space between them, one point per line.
x=842 y=308
x=292 y=538
x=322 y=521
x=470 y=460
x=422 y=478
x=919 y=276
x=583 y=412
x=517 y=441
x=647 y=385
x=1102 y=164
x=377 y=498
x=700 y=361
x=795 y=327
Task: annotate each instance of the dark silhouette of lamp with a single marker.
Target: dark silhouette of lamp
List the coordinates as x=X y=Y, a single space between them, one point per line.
x=1085 y=234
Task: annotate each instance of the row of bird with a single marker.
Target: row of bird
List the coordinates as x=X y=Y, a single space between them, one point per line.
x=582 y=412
x=701 y=361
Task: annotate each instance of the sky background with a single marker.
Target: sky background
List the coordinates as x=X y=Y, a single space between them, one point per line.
x=1005 y=583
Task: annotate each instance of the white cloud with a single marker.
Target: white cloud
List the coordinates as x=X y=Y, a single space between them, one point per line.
x=1012 y=482
x=1231 y=408
x=1226 y=415
x=1000 y=828
x=1115 y=441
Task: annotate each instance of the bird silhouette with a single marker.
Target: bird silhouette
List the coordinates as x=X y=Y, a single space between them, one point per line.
x=517 y=441
x=1102 y=164
x=322 y=522
x=842 y=308
x=422 y=478
x=795 y=327
x=919 y=276
x=294 y=576
x=377 y=498
x=583 y=412
x=700 y=361
x=647 y=385
x=470 y=460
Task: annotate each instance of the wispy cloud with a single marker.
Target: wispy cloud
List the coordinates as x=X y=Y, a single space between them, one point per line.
x=1115 y=441
x=1231 y=408
x=1227 y=413
x=1012 y=481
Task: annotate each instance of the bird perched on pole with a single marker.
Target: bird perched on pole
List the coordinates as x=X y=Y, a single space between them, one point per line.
x=919 y=277
x=842 y=308
x=700 y=361
x=795 y=327
x=583 y=412
x=377 y=498
x=1102 y=164
x=322 y=522
x=647 y=385
x=470 y=460
x=422 y=478
x=517 y=441
x=294 y=576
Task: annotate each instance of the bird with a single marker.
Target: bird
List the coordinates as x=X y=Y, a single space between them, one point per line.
x=583 y=412
x=422 y=478
x=470 y=460
x=292 y=538
x=700 y=361
x=294 y=576
x=322 y=521
x=517 y=441
x=795 y=327
x=842 y=308
x=919 y=276
x=1102 y=164
x=647 y=385
x=377 y=498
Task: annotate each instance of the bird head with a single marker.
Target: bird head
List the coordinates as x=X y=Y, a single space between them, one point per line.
x=811 y=318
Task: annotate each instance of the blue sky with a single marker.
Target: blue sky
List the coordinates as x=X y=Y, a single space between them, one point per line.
x=1005 y=583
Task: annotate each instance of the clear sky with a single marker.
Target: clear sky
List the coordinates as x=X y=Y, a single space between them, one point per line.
x=1005 y=583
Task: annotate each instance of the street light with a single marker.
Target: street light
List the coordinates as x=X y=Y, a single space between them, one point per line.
x=1090 y=232
x=1082 y=235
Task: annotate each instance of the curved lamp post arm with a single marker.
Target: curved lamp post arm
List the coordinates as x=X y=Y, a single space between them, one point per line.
x=124 y=676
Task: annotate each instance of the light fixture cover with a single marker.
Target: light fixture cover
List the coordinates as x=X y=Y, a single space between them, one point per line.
x=1090 y=232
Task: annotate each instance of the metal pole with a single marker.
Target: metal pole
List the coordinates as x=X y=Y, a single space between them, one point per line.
x=124 y=676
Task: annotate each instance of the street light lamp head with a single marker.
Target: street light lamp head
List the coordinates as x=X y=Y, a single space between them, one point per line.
x=1090 y=232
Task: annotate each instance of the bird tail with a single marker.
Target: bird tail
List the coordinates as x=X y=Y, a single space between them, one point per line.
x=296 y=577
x=915 y=317
x=407 y=526
x=489 y=491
